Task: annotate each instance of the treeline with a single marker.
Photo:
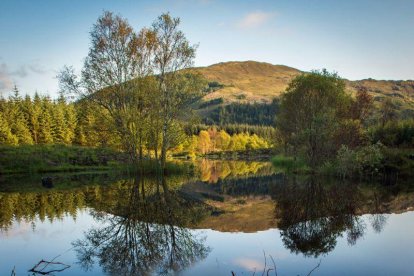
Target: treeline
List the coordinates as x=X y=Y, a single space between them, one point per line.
x=37 y=121
x=212 y=140
x=266 y=132
x=56 y=203
x=41 y=120
x=239 y=113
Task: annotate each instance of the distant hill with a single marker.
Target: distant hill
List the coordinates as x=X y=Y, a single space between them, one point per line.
x=260 y=82
x=248 y=81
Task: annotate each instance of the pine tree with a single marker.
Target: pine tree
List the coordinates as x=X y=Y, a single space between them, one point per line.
x=71 y=122
x=17 y=121
x=58 y=121
x=80 y=137
x=6 y=136
x=45 y=122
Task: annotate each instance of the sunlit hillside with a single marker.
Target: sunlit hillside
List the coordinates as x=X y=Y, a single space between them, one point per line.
x=251 y=81
x=248 y=81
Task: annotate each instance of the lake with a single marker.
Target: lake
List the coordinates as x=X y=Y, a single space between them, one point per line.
x=234 y=217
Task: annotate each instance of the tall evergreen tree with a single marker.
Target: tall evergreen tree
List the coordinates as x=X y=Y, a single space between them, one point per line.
x=45 y=122
x=58 y=121
x=6 y=136
x=17 y=121
x=34 y=118
x=71 y=122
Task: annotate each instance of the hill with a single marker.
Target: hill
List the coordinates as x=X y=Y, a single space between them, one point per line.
x=248 y=81
x=260 y=82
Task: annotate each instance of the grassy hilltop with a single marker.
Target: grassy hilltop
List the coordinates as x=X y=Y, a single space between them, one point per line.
x=260 y=82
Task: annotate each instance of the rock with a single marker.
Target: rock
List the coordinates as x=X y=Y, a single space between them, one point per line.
x=47 y=182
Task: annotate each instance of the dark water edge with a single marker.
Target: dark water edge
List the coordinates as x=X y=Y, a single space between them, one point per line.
x=226 y=218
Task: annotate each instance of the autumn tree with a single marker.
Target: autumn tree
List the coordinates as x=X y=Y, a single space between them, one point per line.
x=223 y=140
x=310 y=112
x=204 y=142
x=172 y=54
x=115 y=77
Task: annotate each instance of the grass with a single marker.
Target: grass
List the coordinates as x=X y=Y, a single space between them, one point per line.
x=289 y=164
x=63 y=158
x=397 y=161
x=56 y=158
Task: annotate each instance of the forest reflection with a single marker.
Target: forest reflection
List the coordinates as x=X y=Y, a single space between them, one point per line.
x=212 y=171
x=312 y=214
x=103 y=193
x=147 y=223
x=145 y=231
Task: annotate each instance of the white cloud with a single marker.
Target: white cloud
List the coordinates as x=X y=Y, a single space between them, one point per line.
x=8 y=77
x=255 y=19
x=6 y=81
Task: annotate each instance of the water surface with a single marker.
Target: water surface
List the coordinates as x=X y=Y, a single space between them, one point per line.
x=230 y=217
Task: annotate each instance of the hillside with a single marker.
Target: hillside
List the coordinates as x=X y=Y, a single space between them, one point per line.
x=251 y=81
x=248 y=81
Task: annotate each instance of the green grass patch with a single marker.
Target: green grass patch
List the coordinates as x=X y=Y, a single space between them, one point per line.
x=61 y=158
x=57 y=158
x=289 y=164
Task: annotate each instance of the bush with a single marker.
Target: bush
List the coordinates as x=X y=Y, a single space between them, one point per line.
x=394 y=134
x=367 y=159
x=346 y=162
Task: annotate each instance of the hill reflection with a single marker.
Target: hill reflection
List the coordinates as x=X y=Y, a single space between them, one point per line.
x=149 y=221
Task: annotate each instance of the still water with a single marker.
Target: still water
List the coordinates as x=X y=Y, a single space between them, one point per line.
x=231 y=217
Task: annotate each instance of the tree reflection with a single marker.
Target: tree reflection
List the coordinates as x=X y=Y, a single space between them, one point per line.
x=312 y=215
x=145 y=232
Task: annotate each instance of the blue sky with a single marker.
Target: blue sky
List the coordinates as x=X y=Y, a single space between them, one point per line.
x=356 y=38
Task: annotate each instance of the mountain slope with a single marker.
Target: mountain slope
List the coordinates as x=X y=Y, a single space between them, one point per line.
x=251 y=81
x=248 y=81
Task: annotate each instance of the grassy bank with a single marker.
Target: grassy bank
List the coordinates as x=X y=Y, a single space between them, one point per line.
x=57 y=158
x=62 y=158
x=386 y=163
x=289 y=164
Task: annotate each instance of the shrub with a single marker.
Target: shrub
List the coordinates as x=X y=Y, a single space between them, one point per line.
x=369 y=158
x=346 y=162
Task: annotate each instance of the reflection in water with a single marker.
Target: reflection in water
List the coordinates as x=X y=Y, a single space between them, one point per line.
x=378 y=222
x=145 y=225
x=145 y=232
x=312 y=215
x=32 y=201
x=27 y=207
x=214 y=170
